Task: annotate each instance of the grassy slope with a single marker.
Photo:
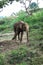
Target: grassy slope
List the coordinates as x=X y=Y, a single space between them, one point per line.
x=25 y=55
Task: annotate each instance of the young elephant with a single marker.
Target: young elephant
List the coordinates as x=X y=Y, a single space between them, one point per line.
x=19 y=28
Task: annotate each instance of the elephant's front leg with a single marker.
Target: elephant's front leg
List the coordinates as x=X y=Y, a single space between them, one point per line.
x=21 y=36
x=15 y=35
x=18 y=35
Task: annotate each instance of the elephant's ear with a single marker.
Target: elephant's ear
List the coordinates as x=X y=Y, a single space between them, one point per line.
x=27 y=27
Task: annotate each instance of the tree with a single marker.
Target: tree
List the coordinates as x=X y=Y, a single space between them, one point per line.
x=5 y=2
x=27 y=8
x=37 y=2
x=33 y=5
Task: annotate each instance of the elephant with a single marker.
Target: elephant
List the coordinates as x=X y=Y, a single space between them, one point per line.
x=19 y=28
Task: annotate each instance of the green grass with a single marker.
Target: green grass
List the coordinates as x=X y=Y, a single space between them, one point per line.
x=2 y=59
x=23 y=56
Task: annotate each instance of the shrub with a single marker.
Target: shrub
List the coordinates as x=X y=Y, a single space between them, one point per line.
x=2 y=22
x=17 y=56
x=1 y=60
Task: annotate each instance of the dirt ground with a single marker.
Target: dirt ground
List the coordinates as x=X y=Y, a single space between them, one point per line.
x=6 y=42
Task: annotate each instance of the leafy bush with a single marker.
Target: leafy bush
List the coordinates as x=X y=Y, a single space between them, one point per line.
x=35 y=20
x=22 y=56
x=23 y=63
x=2 y=22
x=1 y=60
x=17 y=56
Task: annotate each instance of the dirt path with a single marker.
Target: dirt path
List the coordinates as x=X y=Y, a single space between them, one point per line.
x=9 y=36
x=7 y=44
x=6 y=36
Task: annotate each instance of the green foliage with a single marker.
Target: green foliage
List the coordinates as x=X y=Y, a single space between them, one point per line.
x=23 y=63
x=2 y=22
x=1 y=60
x=22 y=56
x=17 y=56
x=2 y=3
x=33 y=5
x=21 y=15
x=35 y=22
x=5 y=2
x=37 y=61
